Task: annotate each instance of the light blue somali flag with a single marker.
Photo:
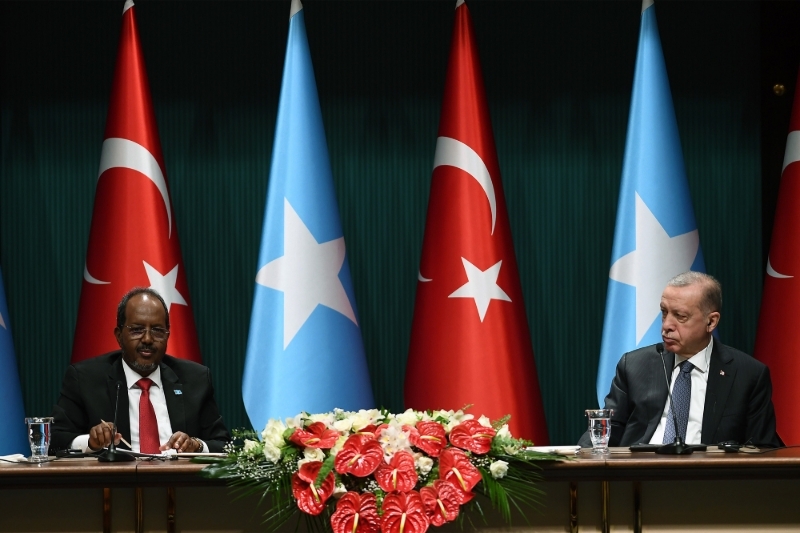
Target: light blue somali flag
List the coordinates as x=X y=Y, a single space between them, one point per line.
x=656 y=235
x=304 y=350
x=12 y=413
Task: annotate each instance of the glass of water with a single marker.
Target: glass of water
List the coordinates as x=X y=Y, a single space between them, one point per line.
x=599 y=429
x=39 y=437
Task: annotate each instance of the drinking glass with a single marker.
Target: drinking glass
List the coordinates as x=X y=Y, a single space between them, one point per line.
x=39 y=437
x=599 y=429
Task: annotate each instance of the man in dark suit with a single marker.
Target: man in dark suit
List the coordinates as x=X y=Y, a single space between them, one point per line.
x=179 y=393
x=731 y=393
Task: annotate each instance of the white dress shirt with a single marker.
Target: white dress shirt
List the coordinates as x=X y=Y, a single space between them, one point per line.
x=699 y=375
x=157 y=398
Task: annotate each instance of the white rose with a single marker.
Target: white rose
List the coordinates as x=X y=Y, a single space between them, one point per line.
x=314 y=454
x=498 y=469
x=295 y=421
x=511 y=449
x=408 y=417
x=325 y=418
x=364 y=418
x=271 y=453
x=339 y=490
x=273 y=433
x=484 y=421
x=250 y=446
x=343 y=426
x=503 y=432
x=424 y=464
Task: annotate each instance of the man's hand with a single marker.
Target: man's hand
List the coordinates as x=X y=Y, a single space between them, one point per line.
x=101 y=435
x=182 y=443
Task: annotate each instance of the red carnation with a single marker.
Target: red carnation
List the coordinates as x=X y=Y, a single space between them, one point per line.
x=399 y=474
x=356 y=513
x=473 y=436
x=429 y=437
x=441 y=502
x=403 y=512
x=455 y=467
x=360 y=456
x=317 y=435
x=310 y=499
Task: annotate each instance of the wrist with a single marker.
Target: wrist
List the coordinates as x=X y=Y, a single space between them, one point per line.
x=199 y=444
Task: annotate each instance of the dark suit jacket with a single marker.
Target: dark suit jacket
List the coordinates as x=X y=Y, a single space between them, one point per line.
x=89 y=392
x=738 y=403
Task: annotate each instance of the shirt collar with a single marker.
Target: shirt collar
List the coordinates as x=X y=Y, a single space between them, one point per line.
x=131 y=376
x=701 y=360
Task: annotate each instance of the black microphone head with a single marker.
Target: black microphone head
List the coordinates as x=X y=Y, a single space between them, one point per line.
x=660 y=348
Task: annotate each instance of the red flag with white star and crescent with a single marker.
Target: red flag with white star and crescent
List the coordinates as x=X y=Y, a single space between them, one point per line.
x=133 y=240
x=777 y=337
x=470 y=342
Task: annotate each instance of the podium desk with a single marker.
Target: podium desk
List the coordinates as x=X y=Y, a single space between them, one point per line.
x=711 y=491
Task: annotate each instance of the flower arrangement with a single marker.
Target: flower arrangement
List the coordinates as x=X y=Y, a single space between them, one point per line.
x=370 y=471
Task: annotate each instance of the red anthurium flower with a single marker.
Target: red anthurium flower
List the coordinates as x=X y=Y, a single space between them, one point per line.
x=429 y=437
x=473 y=436
x=317 y=435
x=367 y=430
x=310 y=499
x=398 y=475
x=360 y=456
x=455 y=467
x=441 y=502
x=356 y=513
x=403 y=512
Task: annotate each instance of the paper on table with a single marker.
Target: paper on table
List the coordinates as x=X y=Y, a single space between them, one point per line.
x=14 y=458
x=558 y=450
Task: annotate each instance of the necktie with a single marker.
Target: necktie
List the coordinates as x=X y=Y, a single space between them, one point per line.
x=681 y=398
x=148 y=426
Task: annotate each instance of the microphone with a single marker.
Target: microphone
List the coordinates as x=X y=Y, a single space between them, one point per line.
x=678 y=447
x=111 y=455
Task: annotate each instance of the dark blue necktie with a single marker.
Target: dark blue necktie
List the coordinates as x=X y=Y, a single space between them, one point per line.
x=681 y=398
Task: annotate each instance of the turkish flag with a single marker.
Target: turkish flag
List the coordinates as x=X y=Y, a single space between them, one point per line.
x=778 y=335
x=470 y=342
x=134 y=239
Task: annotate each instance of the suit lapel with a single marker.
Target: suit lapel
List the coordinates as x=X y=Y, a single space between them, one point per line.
x=173 y=393
x=116 y=374
x=660 y=386
x=721 y=374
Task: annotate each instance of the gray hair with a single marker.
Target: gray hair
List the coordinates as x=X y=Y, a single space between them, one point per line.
x=712 y=290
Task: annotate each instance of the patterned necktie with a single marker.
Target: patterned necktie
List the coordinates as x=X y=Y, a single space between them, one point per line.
x=148 y=426
x=681 y=398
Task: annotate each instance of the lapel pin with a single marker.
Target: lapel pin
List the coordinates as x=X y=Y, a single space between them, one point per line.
x=721 y=373
x=178 y=392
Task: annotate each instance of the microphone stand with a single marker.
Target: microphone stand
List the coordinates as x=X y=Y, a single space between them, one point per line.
x=678 y=446
x=111 y=455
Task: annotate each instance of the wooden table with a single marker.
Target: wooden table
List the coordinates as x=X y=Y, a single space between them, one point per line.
x=620 y=492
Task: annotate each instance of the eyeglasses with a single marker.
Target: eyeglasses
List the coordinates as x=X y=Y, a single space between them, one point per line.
x=137 y=332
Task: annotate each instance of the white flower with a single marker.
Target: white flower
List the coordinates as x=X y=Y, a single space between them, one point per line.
x=295 y=421
x=310 y=455
x=484 y=421
x=273 y=433
x=408 y=417
x=424 y=464
x=393 y=439
x=251 y=447
x=271 y=453
x=511 y=449
x=343 y=426
x=364 y=418
x=326 y=418
x=498 y=469
x=503 y=432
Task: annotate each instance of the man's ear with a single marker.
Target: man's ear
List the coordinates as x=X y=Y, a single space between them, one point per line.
x=118 y=335
x=712 y=321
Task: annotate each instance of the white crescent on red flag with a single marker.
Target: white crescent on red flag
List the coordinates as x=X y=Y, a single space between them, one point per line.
x=470 y=342
x=778 y=336
x=133 y=239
